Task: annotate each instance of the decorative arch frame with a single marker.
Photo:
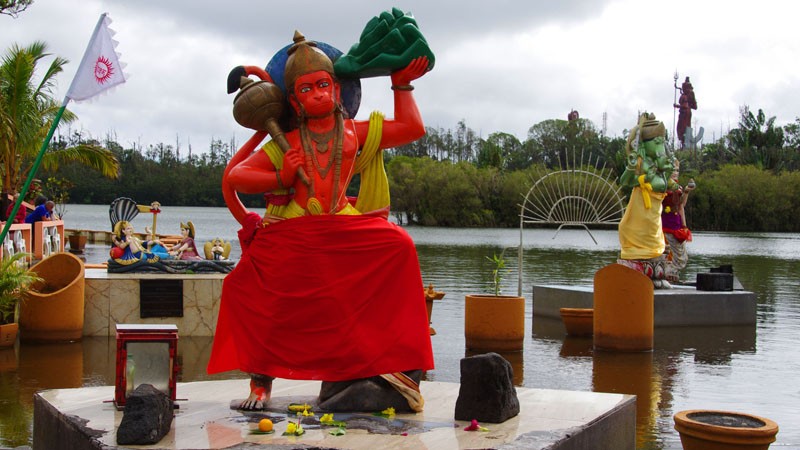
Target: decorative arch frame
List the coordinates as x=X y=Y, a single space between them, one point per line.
x=571 y=197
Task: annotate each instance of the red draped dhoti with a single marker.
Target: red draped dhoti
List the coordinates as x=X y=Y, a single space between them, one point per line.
x=324 y=298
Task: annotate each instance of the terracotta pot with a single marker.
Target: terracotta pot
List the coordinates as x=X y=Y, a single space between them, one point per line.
x=55 y=312
x=8 y=334
x=578 y=321
x=494 y=322
x=724 y=430
x=623 y=309
x=77 y=243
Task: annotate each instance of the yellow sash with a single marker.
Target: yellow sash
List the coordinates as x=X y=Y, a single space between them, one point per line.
x=374 y=191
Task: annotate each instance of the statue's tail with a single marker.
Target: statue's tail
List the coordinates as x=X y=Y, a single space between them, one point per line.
x=235 y=205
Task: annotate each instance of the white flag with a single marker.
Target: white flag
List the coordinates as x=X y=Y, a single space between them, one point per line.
x=100 y=68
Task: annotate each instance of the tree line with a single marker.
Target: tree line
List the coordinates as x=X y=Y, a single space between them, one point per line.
x=748 y=180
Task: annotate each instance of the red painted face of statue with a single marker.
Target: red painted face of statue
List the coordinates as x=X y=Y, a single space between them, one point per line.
x=317 y=93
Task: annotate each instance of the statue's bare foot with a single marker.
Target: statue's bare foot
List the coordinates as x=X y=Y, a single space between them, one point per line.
x=260 y=393
x=252 y=403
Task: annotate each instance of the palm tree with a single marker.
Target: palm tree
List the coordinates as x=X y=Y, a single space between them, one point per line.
x=27 y=111
x=14 y=7
x=758 y=141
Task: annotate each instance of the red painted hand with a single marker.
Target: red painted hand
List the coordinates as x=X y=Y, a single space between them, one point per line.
x=291 y=161
x=411 y=72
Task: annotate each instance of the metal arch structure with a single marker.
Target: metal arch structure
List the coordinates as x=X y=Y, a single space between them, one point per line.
x=571 y=196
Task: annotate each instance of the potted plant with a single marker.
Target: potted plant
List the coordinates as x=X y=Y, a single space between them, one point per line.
x=15 y=283
x=77 y=241
x=494 y=321
x=711 y=429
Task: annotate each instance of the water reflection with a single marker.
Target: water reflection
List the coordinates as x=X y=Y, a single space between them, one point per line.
x=739 y=368
x=711 y=345
x=652 y=376
x=49 y=366
x=576 y=346
x=630 y=373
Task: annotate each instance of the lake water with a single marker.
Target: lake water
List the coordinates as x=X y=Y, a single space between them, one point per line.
x=751 y=369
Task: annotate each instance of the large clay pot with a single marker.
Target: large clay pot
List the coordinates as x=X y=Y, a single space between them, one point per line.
x=724 y=430
x=8 y=334
x=623 y=309
x=77 y=242
x=494 y=322
x=578 y=321
x=55 y=312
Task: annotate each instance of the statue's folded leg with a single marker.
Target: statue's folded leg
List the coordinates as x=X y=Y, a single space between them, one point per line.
x=365 y=394
x=260 y=392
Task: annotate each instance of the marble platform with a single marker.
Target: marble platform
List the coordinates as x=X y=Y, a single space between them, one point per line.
x=82 y=418
x=680 y=306
x=115 y=298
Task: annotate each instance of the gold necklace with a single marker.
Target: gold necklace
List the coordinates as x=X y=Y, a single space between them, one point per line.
x=322 y=139
x=334 y=160
x=335 y=133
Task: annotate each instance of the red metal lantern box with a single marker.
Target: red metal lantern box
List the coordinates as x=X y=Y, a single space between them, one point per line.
x=146 y=353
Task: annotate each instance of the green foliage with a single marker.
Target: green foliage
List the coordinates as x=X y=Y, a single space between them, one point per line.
x=14 y=7
x=745 y=198
x=27 y=111
x=498 y=150
x=59 y=193
x=553 y=142
x=154 y=174
x=498 y=266
x=757 y=141
x=15 y=281
x=453 y=178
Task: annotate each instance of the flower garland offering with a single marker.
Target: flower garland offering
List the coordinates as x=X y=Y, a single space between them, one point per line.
x=388 y=413
x=299 y=407
x=475 y=426
x=305 y=413
x=294 y=429
x=327 y=419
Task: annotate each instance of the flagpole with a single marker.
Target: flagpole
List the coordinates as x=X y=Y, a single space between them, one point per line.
x=101 y=46
x=34 y=168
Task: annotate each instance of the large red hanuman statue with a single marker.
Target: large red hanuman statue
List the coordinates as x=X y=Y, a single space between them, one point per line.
x=327 y=288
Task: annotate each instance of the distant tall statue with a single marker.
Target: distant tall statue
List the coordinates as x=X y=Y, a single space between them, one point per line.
x=573 y=115
x=686 y=103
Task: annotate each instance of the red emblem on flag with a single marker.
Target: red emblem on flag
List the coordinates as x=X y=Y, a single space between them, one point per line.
x=103 y=69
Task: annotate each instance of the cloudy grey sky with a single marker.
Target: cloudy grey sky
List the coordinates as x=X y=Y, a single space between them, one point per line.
x=500 y=66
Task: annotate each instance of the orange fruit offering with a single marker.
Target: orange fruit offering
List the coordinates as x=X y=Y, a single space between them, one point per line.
x=265 y=425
